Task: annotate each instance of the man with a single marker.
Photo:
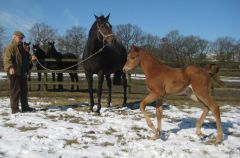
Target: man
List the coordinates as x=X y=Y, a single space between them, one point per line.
x=16 y=64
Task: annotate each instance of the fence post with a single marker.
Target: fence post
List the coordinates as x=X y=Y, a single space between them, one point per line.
x=129 y=83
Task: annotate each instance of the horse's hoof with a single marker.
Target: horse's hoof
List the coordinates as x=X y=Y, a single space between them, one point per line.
x=155 y=137
x=98 y=111
x=199 y=133
x=218 y=140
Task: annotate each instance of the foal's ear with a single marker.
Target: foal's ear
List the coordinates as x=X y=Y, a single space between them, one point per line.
x=135 y=48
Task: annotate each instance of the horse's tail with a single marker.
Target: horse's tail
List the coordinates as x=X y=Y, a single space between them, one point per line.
x=117 y=78
x=213 y=70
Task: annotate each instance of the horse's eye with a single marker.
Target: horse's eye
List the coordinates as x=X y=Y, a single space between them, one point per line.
x=133 y=58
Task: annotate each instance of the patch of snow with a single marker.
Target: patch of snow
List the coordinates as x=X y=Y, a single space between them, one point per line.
x=117 y=132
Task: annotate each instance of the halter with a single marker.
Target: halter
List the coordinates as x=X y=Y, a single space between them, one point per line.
x=102 y=34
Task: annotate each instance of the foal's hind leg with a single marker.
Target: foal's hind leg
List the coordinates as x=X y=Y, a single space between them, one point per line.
x=150 y=98
x=212 y=105
x=201 y=120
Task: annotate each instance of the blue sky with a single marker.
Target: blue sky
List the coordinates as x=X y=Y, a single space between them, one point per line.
x=208 y=19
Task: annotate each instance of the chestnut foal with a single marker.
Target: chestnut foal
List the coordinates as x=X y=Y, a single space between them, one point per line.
x=163 y=80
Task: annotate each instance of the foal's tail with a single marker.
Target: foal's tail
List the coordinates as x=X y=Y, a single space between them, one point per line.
x=213 y=70
x=117 y=79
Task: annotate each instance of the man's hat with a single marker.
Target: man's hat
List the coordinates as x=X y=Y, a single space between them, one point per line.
x=19 y=33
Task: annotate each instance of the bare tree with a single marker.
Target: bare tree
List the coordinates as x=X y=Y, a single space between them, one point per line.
x=2 y=33
x=41 y=33
x=194 y=48
x=74 y=41
x=129 y=34
x=236 y=51
x=224 y=48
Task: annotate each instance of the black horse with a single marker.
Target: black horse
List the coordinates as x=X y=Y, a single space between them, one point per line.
x=110 y=60
x=26 y=47
x=41 y=55
x=53 y=53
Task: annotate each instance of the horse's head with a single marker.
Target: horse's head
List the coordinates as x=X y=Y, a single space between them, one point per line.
x=50 y=49
x=133 y=59
x=104 y=30
x=26 y=46
x=35 y=48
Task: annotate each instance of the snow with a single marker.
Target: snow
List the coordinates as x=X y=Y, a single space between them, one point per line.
x=117 y=132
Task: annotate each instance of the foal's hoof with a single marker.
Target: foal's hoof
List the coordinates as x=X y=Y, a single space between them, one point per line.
x=218 y=140
x=155 y=137
x=199 y=133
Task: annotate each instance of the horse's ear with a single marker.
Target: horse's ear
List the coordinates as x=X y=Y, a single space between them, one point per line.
x=107 y=17
x=53 y=42
x=96 y=17
x=29 y=43
x=135 y=48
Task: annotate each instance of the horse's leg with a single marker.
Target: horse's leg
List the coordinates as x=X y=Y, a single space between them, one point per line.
x=60 y=79
x=89 y=77
x=201 y=120
x=203 y=95
x=150 y=98
x=45 y=80
x=39 y=80
x=29 y=80
x=124 y=88
x=159 y=111
x=100 y=83
x=72 y=80
x=109 y=85
x=54 y=79
x=76 y=78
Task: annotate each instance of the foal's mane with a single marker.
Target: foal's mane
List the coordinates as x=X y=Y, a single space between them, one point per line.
x=148 y=55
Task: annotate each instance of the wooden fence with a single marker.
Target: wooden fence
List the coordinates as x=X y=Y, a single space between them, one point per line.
x=230 y=69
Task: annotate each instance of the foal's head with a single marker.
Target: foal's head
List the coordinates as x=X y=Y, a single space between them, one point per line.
x=104 y=30
x=133 y=59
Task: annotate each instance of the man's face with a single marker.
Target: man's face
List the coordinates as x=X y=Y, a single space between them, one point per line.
x=17 y=39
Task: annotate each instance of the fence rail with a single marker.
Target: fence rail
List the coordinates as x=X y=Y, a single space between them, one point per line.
x=231 y=69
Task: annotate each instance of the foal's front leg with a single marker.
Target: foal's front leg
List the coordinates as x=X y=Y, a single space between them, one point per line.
x=150 y=98
x=159 y=111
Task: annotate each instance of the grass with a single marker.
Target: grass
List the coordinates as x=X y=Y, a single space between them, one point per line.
x=69 y=142
x=25 y=129
x=11 y=125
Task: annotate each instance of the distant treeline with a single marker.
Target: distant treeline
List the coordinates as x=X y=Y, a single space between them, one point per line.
x=172 y=47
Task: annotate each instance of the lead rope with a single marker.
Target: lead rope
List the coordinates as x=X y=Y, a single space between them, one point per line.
x=97 y=52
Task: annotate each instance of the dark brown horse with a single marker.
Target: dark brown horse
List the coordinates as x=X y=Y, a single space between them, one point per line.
x=163 y=80
x=26 y=47
x=110 y=58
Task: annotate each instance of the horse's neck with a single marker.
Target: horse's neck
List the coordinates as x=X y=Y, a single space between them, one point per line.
x=93 y=46
x=148 y=63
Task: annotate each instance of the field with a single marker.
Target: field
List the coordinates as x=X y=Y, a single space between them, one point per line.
x=63 y=127
x=71 y=131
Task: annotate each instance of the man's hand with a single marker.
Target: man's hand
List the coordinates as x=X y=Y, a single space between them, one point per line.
x=11 y=71
x=34 y=58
